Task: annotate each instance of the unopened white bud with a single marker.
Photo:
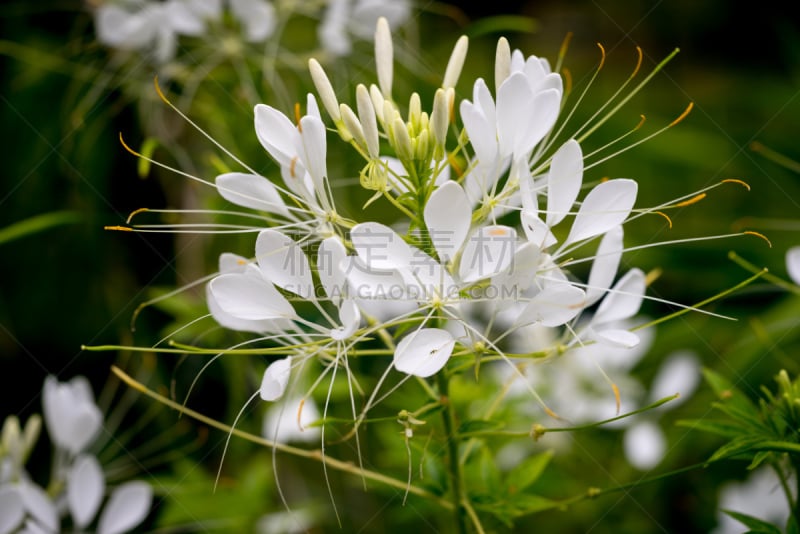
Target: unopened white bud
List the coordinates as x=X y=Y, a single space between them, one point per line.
x=366 y=114
x=441 y=117
x=456 y=62
x=402 y=141
x=384 y=56
x=502 y=63
x=352 y=125
x=325 y=89
x=414 y=109
x=377 y=102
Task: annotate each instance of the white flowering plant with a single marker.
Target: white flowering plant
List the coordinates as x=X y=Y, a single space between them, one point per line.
x=496 y=254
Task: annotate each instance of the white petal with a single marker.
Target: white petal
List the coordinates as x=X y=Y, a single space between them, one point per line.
x=487 y=252
x=257 y=17
x=276 y=378
x=680 y=373
x=623 y=300
x=424 y=352
x=793 y=264
x=182 y=19
x=350 y=317
x=514 y=106
x=284 y=263
x=644 y=445
x=276 y=133
x=232 y=263
x=364 y=283
x=85 y=488
x=73 y=419
x=554 y=305
x=39 y=505
x=483 y=99
x=448 y=216
x=606 y=206
x=127 y=507
x=529 y=198
x=617 y=338
x=564 y=181
x=227 y=320
x=248 y=297
x=281 y=421
x=605 y=265
x=122 y=29
x=12 y=510
x=536 y=231
x=543 y=115
x=251 y=191
x=379 y=247
x=314 y=151
x=482 y=135
x=330 y=254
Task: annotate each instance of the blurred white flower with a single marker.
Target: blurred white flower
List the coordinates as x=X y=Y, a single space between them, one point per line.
x=793 y=264
x=345 y=19
x=759 y=496
x=288 y=421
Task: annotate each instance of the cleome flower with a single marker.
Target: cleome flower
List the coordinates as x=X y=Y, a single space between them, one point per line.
x=488 y=211
x=77 y=487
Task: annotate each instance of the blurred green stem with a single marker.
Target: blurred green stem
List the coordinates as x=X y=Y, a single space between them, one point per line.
x=449 y=420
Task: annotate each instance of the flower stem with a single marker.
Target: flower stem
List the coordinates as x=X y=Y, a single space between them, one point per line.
x=449 y=420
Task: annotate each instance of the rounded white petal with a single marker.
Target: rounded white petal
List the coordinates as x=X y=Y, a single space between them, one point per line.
x=330 y=254
x=644 y=445
x=793 y=264
x=242 y=325
x=12 y=510
x=284 y=263
x=514 y=110
x=680 y=373
x=123 y=29
x=314 y=151
x=617 y=338
x=85 y=488
x=39 y=505
x=424 y=352
x=606 y=206
x=554 y=305
x=257 y=17
x=275 y=379
x=482 y=134
x=350 y=317
x=448 y=217
x=127 y=507
x=289 y=421
x=623 y=300
x=564 y=181
x=181 y=18
x=536 y=231
x=73 y=419
x=232 y=263
x=251 y=191
x=543 y=115
x=277 y=134
x=249 y=297
x=487 y=252
x=605 y=265
x=380 y=247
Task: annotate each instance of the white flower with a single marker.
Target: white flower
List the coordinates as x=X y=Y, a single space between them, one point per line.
x=759 y=496
x=73 y=419
x=289 y=420
x=793 y=264
x=344 y=19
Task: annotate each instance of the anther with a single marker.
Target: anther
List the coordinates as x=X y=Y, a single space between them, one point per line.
x=695 y=199
x=757 y=234
x=135 y=213
x=736 y=181
x=300 y=414
x=669 y=221
x=118 y=228
x=682 y=115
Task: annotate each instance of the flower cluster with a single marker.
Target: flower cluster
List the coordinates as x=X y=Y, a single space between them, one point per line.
x=155 y=27
x=493 y=213
x=77 y=486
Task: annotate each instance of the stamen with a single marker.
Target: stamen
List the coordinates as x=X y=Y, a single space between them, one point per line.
x=757 y=234
x=160 y=93
x=562 y=52
x=118 y=228
x=300 y=414
x=616 y=394
x=292 y=166
x=736 y=181
x=694 y=200
x=638 y=62
x=602 y=56
x=665 y=216
x=567 y=75
x=135 y=213
x=297 y=116
x=682 y=115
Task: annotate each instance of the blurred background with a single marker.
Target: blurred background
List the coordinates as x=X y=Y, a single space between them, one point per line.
x=67 y=282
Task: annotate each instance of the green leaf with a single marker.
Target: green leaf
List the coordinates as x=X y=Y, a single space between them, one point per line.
x=479 y=425
x=728 y=429
x=148 y=147
x=528 y=472
x=526 y=504
x=729 y=394
x=791 y=526
x=503 y=24
x=740 y=445
x=37 y=224
x=759 y=458
x=753 y=523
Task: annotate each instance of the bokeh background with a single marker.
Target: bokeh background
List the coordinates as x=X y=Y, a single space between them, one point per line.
x=71 y=283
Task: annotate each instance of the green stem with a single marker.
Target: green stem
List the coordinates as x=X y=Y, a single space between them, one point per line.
x=449 y=420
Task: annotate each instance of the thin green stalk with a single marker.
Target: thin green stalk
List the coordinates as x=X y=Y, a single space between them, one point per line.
x=449 y=420
x=340 y=465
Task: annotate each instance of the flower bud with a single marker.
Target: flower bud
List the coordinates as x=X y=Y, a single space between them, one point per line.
x=456 y=62
x=325 y=89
